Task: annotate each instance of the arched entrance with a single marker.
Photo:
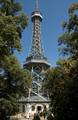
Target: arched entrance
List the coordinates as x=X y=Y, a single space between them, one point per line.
x=39 y=108
x=23 y=108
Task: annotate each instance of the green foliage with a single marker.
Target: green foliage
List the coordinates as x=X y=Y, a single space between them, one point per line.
x=73 y=8
x=62 y=81
x=69 y=39
x=14 y=80
x=14 y=83
x=62 y=87
x=16 y=77
x=11 y=26
x=36 y=117
x=9 y=37
x=10 y=7
x=49 y=117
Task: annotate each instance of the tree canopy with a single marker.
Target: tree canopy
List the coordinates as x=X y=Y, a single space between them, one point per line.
x=14 y=80
x=62 y=81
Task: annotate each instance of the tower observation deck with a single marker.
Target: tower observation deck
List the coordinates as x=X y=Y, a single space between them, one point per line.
x=36 y=62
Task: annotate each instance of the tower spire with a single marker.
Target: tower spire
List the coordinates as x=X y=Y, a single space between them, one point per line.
x=36 y=4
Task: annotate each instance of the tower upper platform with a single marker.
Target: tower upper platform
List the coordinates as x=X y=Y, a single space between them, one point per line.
x=36 y=14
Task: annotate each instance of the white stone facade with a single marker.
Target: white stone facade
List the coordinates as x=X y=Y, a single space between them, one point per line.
x=27 y=109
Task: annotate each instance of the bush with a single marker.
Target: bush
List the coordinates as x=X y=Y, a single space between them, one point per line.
x=49 y=117
x=41 y=114
x=36 y=117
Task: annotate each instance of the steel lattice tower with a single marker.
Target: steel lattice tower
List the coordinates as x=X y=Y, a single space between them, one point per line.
x=36 y=62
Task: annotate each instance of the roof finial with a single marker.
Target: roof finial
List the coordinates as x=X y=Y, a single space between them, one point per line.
x=36 y=4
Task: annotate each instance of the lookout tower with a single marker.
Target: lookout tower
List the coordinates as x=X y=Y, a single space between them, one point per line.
x=37 y=63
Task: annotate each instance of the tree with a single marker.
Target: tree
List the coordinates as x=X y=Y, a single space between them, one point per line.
x=62 y=90
x=14 y=80
x=13 y=85
x=62 y=81
x=55 y=84
x=11 y=27
x=70 y=42
x=69 y=39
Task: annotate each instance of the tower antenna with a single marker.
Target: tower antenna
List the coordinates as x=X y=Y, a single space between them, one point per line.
x=36 y=4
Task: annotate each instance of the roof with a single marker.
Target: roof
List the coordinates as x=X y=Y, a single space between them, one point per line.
x=34 y=99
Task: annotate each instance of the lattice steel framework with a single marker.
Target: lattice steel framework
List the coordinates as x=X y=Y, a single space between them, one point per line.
x=36 y=49
x=36 y=62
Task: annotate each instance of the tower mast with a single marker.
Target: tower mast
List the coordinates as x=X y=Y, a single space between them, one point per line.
x=36 y=4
